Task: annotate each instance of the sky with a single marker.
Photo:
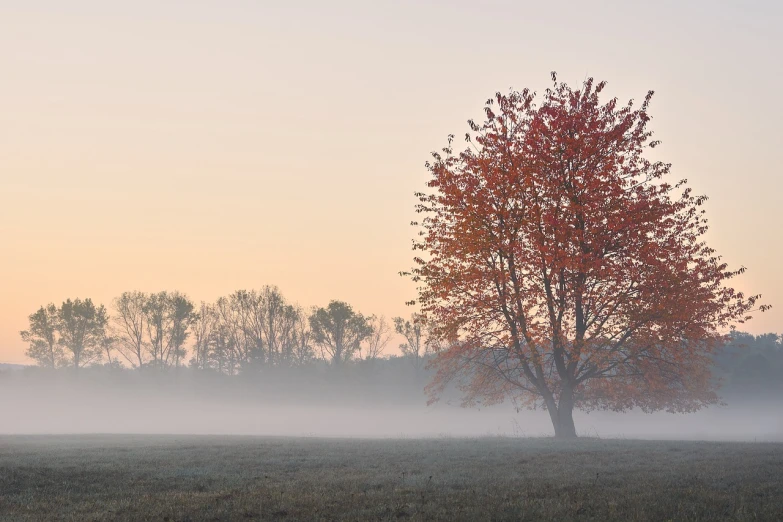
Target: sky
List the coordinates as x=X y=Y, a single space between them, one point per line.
x=210 y=146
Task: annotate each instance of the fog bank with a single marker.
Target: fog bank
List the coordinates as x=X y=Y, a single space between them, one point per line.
x=63 y=407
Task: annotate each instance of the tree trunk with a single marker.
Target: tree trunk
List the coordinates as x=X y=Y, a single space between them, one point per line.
x=566 y=421
x=562 y=416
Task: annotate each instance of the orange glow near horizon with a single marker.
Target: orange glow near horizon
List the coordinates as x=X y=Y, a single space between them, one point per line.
x=206 y=148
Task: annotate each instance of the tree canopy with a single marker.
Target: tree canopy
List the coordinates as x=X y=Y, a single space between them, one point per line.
x=339 y=331
x=562 y=266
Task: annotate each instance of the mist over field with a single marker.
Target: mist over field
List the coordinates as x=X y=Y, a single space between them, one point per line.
x=290 y=406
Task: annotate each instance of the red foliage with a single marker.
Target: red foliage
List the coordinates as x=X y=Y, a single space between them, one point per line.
x=562 y=267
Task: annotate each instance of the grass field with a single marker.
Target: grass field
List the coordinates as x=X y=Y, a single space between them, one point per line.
x=178 y=478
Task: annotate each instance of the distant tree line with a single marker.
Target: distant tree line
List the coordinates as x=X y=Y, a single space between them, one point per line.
x=244 y=332
x=751 y=365
x=254 y=331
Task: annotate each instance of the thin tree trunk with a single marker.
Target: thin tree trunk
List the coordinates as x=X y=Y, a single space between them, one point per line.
x=51 y=355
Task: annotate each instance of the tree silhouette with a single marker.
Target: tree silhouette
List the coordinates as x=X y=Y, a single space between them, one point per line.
x=339 y=331
x=42 y=336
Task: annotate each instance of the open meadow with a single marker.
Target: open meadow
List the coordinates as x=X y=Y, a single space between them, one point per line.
x=391 y=261
x=179 y=478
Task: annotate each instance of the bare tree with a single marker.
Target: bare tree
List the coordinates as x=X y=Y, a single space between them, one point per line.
x=129 y=327
x=168 y=317
x=261 y=326
x=278 y=325
x=379 y=338
x=301 y=340
x=203 y=332
x=416 y=346
x=181 y=318
x=272 y=315
x=109 y=346
x=239 y=334
x=223 y=350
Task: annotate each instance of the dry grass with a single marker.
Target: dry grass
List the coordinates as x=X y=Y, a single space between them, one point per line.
x=245 y=478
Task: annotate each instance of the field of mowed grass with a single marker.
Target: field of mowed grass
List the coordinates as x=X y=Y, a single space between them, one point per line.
x=179 y=478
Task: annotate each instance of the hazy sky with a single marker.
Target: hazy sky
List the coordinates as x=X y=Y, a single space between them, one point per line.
x=209 y=146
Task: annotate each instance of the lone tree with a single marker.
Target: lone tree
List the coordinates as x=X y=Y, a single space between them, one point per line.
x=561 y=269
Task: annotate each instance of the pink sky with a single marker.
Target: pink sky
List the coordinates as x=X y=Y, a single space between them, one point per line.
x=206 y=148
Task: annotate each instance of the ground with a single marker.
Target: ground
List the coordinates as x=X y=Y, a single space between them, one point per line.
x=178 y=478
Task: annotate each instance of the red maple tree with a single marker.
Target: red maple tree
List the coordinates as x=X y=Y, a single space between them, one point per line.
x=561 y=267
